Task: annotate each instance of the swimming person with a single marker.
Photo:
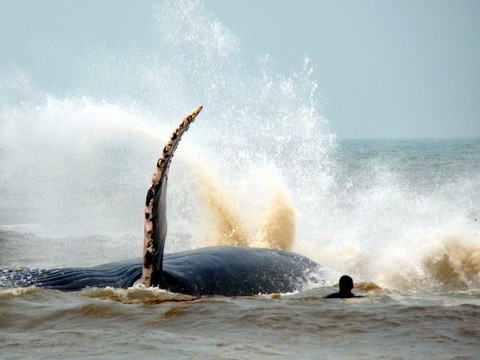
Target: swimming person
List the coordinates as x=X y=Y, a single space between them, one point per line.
x=346 y=285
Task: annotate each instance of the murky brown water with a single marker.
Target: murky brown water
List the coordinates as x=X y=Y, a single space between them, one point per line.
x=111 y=324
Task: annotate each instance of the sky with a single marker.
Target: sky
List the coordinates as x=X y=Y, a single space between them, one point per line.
x=384 y=69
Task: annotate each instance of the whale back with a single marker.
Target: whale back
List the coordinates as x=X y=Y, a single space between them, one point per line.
x=155 y=226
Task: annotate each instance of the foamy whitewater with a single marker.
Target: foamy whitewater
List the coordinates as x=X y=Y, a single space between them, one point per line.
x=260 y=167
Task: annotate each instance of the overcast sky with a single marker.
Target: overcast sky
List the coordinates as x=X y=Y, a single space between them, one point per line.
x=384 y=68
x=387 y=68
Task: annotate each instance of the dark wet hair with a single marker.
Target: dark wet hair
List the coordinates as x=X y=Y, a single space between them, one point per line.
x=345 y=283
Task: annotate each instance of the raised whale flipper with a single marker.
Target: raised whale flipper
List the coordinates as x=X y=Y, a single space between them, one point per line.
x=219 y=270
x=155 y=228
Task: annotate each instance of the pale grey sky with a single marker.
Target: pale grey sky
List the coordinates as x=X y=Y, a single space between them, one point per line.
x=385 y=68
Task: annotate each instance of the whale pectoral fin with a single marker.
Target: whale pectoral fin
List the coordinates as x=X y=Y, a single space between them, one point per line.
x=155 y=226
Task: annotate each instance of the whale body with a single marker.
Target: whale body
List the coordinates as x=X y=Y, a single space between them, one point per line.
x=225 y=270
x=220 y=270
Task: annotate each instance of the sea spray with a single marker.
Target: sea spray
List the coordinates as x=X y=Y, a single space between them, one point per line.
x=74 y=164
x=277 y=230
x=77 y=163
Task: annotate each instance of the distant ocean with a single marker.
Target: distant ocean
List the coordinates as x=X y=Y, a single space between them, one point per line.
x=401 y=216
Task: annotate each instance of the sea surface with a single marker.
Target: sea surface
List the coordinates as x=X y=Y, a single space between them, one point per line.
x=261 y=166
x=423 y=304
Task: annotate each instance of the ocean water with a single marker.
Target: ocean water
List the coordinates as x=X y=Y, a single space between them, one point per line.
x=261 y=166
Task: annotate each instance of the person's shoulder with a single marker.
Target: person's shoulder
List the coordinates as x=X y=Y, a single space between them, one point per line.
x=333 y=296
x=338 y=295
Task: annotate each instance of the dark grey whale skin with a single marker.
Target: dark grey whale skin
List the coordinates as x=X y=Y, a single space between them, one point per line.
x=226 y=270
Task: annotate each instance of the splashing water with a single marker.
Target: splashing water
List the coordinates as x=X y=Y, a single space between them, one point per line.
x=260 y=167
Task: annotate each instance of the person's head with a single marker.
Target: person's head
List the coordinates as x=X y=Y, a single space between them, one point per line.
x=345 y=283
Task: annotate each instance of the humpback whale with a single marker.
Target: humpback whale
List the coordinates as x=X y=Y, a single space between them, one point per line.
x=219 y=270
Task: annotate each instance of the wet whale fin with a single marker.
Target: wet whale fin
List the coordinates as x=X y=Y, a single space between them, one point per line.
x=155 y=227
